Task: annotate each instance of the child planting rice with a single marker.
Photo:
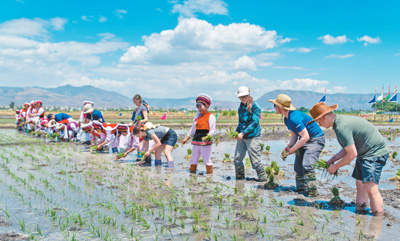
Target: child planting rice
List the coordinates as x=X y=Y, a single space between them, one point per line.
x=203 y=128
x=164 y=138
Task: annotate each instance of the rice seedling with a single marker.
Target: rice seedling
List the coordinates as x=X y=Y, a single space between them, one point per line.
x=394 y=154
x=248 y=162
x=227 y=158
x=21 y=223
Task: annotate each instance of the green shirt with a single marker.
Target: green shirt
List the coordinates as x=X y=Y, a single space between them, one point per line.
x=356 y=130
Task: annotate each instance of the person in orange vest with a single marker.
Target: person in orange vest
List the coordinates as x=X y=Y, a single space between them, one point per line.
x=203 y=125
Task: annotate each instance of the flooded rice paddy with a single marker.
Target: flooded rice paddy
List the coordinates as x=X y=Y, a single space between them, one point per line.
x=60 y=191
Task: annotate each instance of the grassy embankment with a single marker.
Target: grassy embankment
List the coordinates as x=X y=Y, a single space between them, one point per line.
x=181 y=118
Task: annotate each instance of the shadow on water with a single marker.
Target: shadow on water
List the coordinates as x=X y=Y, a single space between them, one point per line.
x=324 y=205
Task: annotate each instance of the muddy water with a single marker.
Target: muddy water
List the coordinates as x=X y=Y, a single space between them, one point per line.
x=59 y=191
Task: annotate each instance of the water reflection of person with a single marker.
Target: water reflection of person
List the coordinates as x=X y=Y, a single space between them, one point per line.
x=373 y=230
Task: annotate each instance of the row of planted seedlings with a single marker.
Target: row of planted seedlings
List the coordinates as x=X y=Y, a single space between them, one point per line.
x=61 y=193
x=212 y=216
x=137 y=205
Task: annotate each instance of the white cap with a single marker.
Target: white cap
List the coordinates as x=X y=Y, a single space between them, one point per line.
x=242 y=91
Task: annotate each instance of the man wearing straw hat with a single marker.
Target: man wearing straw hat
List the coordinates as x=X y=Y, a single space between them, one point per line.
x=308 y=140
x=359 y=139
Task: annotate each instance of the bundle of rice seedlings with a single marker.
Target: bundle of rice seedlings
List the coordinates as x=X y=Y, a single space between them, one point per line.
x=207 y=138
x=233 y=134
x=323 y=165
x=121 y=154
x=227 y=158
x=284 y=154
x=336 y=200
x=189 y=154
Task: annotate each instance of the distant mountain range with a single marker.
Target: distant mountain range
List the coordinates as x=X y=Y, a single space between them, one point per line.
x=70 y=96
x=308 y=98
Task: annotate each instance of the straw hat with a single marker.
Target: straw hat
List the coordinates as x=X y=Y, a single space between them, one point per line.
x=149 y=126
x=320 y=109
x=242 y=91
x=88 y=108
x=284 y=102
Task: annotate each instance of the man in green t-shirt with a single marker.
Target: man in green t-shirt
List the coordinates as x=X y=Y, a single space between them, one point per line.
x=360 y=139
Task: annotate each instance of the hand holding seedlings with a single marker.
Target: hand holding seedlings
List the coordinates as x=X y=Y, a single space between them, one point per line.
x=233 y=134
x=284 y=154
x=207 y=138
x=324 y=166
x=121 y=155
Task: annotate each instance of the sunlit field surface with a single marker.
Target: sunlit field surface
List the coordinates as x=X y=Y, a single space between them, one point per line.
x=60 y=191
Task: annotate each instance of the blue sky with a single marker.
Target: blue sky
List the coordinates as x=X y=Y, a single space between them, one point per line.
x=176 y=49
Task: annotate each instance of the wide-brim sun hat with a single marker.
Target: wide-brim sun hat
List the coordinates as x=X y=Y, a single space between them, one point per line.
x=320 y=109
x=87 y=108
x=283 y=101
x=88 y=102
x=242 y=91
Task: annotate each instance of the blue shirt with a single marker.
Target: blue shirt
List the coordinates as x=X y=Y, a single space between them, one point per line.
x=61 y=116
x=96 y=115
x=249 y=122
x=139 y=111
x=298 y=120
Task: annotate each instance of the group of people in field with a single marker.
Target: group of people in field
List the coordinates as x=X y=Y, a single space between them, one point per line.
x=358 y=138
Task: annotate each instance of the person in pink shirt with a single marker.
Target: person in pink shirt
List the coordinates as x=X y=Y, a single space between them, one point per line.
x=133 y=143
x=39 y=109
x=108 y=134
x=203 y=125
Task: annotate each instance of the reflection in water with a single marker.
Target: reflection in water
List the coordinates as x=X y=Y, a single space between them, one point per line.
x=368 y=230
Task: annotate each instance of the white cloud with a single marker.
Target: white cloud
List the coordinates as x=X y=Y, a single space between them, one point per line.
x=135 y=55
x=245 y=63
x=300 y=50
x=102 y=19
x=120 y=13
x=198 y=40
x=58 y=23
x=303 y=84
x=87 y=18
x=288 y=67
x=25 y=27
x=335 y=56
x=328 y=39
x=339 y=89
x=107 y=36
x=208 y=7
x=368 y=40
